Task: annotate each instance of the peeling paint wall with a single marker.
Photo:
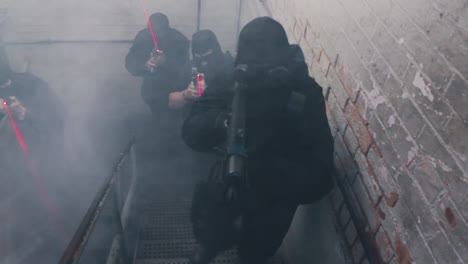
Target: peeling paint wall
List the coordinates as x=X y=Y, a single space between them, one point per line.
x=394 y=74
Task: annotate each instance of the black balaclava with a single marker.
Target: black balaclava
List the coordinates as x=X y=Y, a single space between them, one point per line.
x=202 y=41
x=160 y=23
x=263 y=41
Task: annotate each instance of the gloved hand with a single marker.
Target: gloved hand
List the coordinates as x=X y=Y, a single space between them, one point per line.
x=191 y=93
x=156 y=59
x=18 y=110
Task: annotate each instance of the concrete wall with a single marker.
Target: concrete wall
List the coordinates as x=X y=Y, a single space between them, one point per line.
x=394 y=74
x=221 y=16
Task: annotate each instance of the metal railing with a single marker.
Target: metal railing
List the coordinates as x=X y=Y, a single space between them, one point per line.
x=113 y=241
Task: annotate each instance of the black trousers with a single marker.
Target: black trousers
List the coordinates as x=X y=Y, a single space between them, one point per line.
x=263 y=231
x=257 y=230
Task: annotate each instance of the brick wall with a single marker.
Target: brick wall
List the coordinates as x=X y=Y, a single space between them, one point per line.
x=394 y=75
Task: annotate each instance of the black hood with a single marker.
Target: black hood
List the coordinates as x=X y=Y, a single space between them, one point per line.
x=160 y=23
x=263 y=41
x=211 y=65
x=204 y=40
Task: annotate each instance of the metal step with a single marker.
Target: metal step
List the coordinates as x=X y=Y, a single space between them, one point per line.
x=166 y=236
x=219 y=260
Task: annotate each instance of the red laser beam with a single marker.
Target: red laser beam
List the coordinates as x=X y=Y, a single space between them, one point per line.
x=199 y=78
x=19 y=136
x=155 y=40
x=36 y=175
x=31 y=165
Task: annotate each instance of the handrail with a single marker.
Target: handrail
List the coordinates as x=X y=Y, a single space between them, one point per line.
x=81 y=236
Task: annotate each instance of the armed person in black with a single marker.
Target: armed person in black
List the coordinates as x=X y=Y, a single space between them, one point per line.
x=212 y=70
x=162 y=71
x=210 y=61
x=163 y=66
x=34 y=162
x=40 y=117
x=35 y=107
x=210 y=67
x=288 y=145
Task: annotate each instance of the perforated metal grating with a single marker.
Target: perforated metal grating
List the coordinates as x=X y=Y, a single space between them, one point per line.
x=165 y=220
x=166 y=232
x=167 y=249
x=218 y=260
x=166 y=236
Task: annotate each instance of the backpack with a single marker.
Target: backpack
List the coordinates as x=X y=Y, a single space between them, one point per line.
x=297 y=165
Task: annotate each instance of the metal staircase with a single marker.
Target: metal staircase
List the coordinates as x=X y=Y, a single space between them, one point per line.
x=136 y=219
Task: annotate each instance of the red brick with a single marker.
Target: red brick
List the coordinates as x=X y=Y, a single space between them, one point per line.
x=337 y=87
x=298 y=29
x=324 y=62
x=311 y=40
x=402 y=254
x=361 y=105
x=366 y=205
x=387 y=221
x=337 y=113
x=385 y=247
x=346 y=77
x=315 y=70
x=347 y=161
x=368 y=178
x=351 y=141
x=385 y=181
x=331 y=121
x=359 y=127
